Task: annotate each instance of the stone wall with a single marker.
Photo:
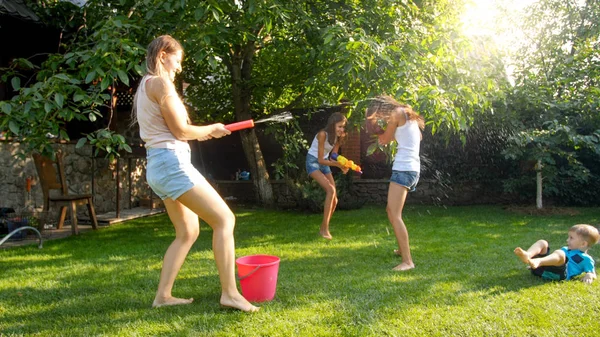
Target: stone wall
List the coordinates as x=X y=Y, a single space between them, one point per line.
x=98 y=176
x=374 y=191
x=84 y=175
x=240 y=191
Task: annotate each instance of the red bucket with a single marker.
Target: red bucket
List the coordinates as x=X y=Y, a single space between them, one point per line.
x=258 y=276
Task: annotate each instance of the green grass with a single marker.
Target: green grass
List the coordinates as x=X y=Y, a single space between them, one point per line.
x=467 y=281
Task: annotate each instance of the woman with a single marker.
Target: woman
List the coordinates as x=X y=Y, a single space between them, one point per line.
x=165 y=128
x=405 y=126
x=326 y=141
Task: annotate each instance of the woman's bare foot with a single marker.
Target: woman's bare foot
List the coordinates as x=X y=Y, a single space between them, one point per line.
x=404 y=266
x=238 y=302
x=326 y=236
x=325 y=233
x=163 y=302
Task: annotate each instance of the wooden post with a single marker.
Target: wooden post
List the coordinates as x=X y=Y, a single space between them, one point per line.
x=129 y=181
x=118 y=210
x=538 y=178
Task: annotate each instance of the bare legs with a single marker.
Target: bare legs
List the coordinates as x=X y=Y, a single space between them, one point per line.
x=395 y=204
x=203 y=201
x=328 y=184
x=187 y=230
x=557 y=258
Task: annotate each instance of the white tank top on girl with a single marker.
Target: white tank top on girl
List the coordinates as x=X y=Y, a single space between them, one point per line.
x=314 y=147
x=408 y=137
x=153 y=129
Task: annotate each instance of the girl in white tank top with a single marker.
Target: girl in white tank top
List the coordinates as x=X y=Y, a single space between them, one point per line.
x=404 y=126
x=318 y=164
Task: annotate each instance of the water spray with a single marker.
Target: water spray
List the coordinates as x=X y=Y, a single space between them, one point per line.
x=247 y=124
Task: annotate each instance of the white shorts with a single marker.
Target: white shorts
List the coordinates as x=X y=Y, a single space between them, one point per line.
x=170 y=172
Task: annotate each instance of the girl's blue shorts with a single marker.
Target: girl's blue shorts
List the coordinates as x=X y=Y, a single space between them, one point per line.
x=312 y=165
x=170 y=172
x=408 y=179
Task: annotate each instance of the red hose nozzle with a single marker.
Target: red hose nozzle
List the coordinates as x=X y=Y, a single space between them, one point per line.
x=240 y=125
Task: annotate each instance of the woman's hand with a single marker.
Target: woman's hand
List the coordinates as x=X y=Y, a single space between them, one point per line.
x=218 y=131
x=388 y=135
x=341 y=167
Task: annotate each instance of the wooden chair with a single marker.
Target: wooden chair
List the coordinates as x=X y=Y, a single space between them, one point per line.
x=46 y=169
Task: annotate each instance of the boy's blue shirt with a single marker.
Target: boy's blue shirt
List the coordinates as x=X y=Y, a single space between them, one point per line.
x=578 y=262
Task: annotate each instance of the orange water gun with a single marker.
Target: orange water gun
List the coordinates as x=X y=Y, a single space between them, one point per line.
x=345 y=162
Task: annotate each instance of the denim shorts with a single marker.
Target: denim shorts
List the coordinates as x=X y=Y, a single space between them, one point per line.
x=170 y=172
x=408 y=179
x=312 y=165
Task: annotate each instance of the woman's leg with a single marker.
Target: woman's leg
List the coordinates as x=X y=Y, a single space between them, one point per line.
x=328 y=184
x=203 y=200
x=395 y=204
x=186 y=232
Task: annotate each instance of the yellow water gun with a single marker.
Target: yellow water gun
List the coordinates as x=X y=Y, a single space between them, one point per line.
x=345 y=162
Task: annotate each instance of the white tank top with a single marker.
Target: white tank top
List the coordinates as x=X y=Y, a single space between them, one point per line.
x=408 y=137
x=314 y=147
x=153 y=129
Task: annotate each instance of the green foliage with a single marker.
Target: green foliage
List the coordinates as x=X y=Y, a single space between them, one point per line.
x=38 y=114
x=306 y=54
x=74 y=84
x=313 y=196
x=294 y=147
x=555 y=97
x=106 y=141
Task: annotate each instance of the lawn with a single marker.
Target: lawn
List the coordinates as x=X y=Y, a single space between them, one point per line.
x=467 y=281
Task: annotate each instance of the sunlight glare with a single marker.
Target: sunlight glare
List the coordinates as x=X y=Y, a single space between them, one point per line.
x=484 y=18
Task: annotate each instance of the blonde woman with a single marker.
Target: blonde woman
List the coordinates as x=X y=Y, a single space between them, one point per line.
x=165 y=129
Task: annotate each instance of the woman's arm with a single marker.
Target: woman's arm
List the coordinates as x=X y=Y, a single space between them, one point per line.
x=396 y=119
x=321 y=137
x=175 y=114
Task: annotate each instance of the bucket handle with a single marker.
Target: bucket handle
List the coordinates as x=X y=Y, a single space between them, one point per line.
x=250 y=273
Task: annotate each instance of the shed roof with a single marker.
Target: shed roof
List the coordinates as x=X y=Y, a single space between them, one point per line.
x=17 y=9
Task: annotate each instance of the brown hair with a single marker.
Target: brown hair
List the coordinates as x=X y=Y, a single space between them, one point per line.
x=154 y=67
x=588 y=232
x=381 y=107
x=335 y=118
x=163 y=43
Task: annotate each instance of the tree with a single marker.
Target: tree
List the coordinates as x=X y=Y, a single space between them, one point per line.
x=555 y=98
x=251 y=58
x=74 y=83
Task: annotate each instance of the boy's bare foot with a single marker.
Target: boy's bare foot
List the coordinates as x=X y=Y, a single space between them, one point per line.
x=171 y=301
x=238 y=302
x=326 y=235
x=397 y=252
x=524 y=256
x=404 y=267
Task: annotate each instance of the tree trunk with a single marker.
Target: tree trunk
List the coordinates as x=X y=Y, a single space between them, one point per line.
x=258 y=169
x=240 y=68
